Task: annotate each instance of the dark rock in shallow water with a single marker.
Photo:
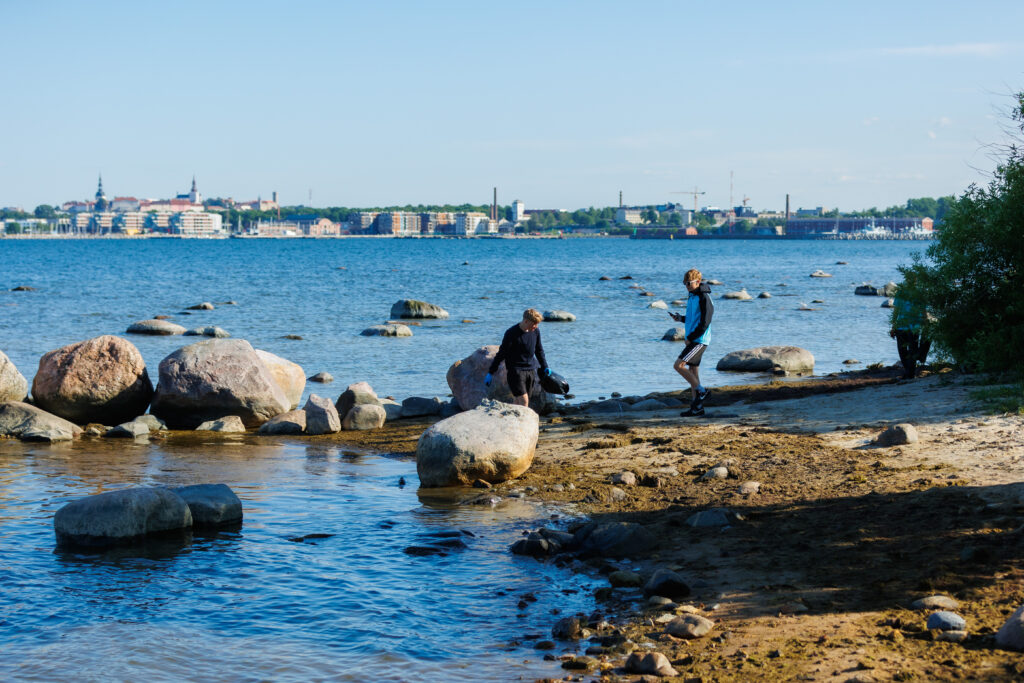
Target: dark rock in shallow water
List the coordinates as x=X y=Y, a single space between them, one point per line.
x=211 y=505
x=23 y=288
x=30 y=423
x=322 y=378
x=120 y=517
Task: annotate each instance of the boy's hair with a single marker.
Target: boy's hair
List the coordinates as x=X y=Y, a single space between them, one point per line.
x=692 y=274
x=532 y=315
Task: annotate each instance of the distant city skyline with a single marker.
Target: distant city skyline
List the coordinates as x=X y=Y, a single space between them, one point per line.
x=561 y=105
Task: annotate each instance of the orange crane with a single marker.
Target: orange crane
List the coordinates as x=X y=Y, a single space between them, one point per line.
x=695 y=194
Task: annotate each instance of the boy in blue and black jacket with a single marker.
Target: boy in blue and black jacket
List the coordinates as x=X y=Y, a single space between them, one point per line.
x=699 y=310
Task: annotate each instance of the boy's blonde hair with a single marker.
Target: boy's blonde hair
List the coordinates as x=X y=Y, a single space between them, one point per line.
x=533 y=315
x=692 y=274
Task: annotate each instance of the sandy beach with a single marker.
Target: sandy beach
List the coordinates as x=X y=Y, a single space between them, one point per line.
x=815 y=576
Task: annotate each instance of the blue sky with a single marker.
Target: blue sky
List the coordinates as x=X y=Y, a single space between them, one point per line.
x=560 y=104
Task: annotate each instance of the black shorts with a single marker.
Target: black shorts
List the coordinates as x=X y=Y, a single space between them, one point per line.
x=521 y=381
x=692 y=353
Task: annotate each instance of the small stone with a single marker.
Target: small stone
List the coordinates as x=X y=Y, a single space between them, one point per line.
x=624 y=478
x=567 y=628
x=690 y=626
x=650 y=663
x=618 y=494
x=950 y=636
x=716 y=473
x=322 y=377
x=205 y=306
x=625 y=579
x=229 y=424
x=946 y=621
x=715 y=517
x=939 y=602
x=749 y=488
x=128 y=430
x=851 y=361
x=764 y=295
x=897 y=435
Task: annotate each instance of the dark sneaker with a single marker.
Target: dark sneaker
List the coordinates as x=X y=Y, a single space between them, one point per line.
x=694 y=411
x=701 y=395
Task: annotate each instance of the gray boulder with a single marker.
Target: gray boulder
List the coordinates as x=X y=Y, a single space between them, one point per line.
x=674 y=334
x=494 y=442
x=648 y=404
x=128 y=430
x=232 y=424
x=713 y=518
x=653 y=663
x=659 y=304
x=98 y=380
x=866 y=290
x=321 y=416
x=609 y=406
x=888 y=289
x=898 y=435
x=13 y=385
x=558 y=317
x=392 y=409
x=764 y=295
x=213 y=378
x=30 y=423
x=155 y=327
x=359 y=393
x=208 y=331
x=288 y=375
x=411 y=308
x=466 y=380
x=741 y=295
x=211 y=505
x=668 y=584
x=322 y=378
x=120 y=517
x=614 y=539
x=689 y=626
x=154 y=423
x=364 y=416
x=1011 y=634
x=888 y=303
x=820 y=273
x=765 y=358
x=292 y=422
x=387 y=330
x=417 y=406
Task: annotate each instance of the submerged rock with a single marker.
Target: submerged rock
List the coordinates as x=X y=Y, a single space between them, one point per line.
x=389 y=330
x=291 y=422
x=30 y=423
x=412 y=308
x=557 y=316
x=155 y=327
x=211 y=505
x=120 y=517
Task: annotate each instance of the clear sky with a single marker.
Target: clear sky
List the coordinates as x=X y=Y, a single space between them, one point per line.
x=560 y=104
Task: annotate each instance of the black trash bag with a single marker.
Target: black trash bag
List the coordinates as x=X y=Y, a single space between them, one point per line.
x=554 y=383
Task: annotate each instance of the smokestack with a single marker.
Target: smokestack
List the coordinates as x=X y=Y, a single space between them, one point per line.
x=787 y=207
x=620 y=199
x=274 y=195
x=494 y=206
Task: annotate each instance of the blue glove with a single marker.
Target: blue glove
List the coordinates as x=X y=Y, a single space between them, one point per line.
x=547 y=372
x=487 y=379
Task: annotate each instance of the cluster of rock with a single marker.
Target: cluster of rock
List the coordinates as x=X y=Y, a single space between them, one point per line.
x=130 y=515
x=887 y=290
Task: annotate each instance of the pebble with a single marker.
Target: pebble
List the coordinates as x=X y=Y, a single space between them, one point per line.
x=719 y=472
x=946 y=621
x=618 y=494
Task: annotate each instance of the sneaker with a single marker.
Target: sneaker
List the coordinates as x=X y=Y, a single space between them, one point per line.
x=694 y=411
x=701 y=395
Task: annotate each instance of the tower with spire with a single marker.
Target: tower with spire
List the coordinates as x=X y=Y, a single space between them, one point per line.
x=101 y=199
x=194 y=195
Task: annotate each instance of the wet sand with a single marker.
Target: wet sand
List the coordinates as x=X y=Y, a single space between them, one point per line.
x=816 y=578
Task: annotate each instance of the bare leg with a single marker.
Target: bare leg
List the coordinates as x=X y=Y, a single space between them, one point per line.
x=523 y=400
x=689 y=373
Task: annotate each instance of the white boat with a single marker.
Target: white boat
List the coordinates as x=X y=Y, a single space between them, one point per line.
x=872 y=230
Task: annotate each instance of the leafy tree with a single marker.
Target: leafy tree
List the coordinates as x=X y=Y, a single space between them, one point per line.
x=972 y=281
x=675 y=219
x=45 y=211
x=649 y=216
x=13 y=228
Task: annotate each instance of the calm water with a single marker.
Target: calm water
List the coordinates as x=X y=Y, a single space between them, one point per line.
x=328 y=291
x=253 y=605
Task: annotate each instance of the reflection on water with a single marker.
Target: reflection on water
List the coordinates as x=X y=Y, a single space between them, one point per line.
x=315 y=584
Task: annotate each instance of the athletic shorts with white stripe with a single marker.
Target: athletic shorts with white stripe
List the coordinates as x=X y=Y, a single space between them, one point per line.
x=692 y=353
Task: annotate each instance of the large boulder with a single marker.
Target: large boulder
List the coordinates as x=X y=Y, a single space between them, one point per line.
x=387 y=330
x=418 y=406
x=13 y=385
x=33 y=424
x=213 y=378
x=321 y=416
x=364 y=416
x=466 y=380
x=120 y=517
x=288 y=375
x=211 y=505
x=494 y=442
x=411 y=308
x=155 y=327
x=359 y=393
x=98 y=380
x=766 y=358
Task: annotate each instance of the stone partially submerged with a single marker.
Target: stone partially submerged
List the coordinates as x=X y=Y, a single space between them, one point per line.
x=494 y=442
x=30 y=423
x=792 y=359
x=98 y=380
x=210 y=379
x=387 y=330
x=412 y=308
x=119 y=517
x=155 y=327
x=13 y=385
x=211 y=505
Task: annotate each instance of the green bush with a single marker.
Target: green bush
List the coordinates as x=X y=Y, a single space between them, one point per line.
x=973 y=278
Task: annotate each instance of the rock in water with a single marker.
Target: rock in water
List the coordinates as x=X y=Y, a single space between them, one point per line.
x=466 y=380
x=155 y=327
x=209 y=331
x=322 y=378
x=210 y=379
x=99 y=380
x=321 y=416
x=741 y=295
x=417 y=406
x=120 y=517
x=659 y=304
x=359 y=393
x=388 y=330
x=288 y=375
x=13 y=385
x=363 y=417
x=232 y=424
x=211 y=505
x=411 y=308
x=765 y=358
x=29 y=423
x=494 y=442
x=674 y=334
x=292 y=422
x=558 y=317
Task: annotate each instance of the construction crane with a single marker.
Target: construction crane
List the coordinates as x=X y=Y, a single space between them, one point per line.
x=695 y=194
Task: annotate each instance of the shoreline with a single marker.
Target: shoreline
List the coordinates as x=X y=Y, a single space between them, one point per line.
x=560 y=236
x=815 y=576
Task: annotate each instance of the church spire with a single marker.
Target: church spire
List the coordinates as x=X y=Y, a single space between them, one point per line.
x=101 y=199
